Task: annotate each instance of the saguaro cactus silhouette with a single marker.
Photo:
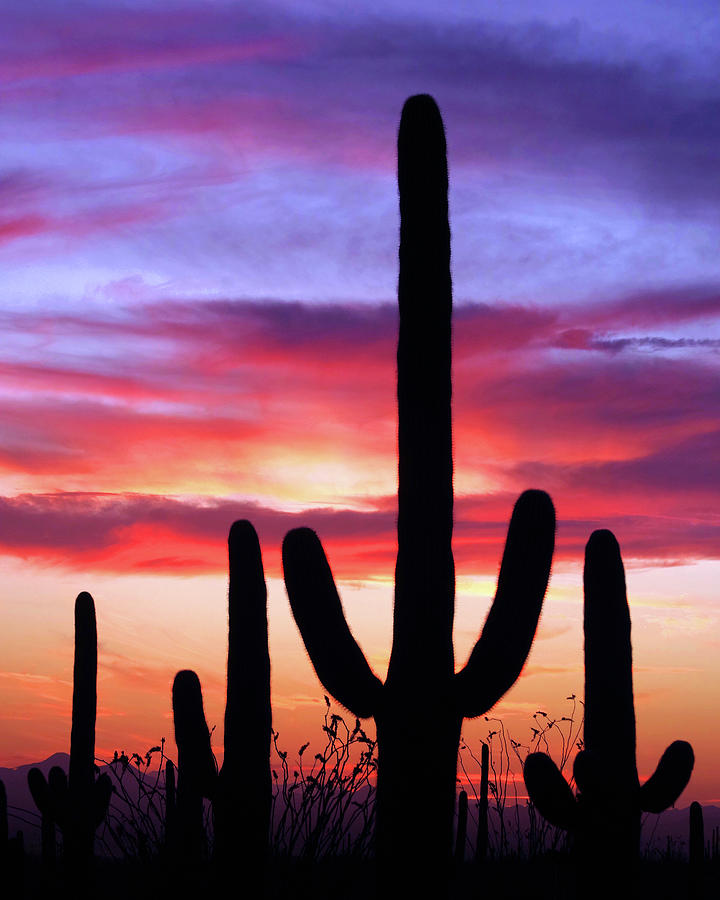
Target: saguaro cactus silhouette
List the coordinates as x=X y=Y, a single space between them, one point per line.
x=241 y=792
x=696 y=848
x=196 y=764
x=420 y=707
x=41 y=792
x=79 y=803
x=610 y=798
x=241 y=808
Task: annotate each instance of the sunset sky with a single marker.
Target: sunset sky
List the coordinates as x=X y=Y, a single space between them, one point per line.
x=198 y=244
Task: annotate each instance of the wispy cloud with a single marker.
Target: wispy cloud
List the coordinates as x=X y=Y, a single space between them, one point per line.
x=167 y=420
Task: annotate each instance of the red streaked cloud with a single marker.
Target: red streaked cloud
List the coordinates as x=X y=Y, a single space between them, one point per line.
x=140 y=533
x=138 y=411
x=70 y=44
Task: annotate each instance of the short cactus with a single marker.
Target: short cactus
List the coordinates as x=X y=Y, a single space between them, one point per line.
x=197 y=770
x=77 y=805
x=420 y=707
x=696 y=851
x=41 y=791
x=610 y=799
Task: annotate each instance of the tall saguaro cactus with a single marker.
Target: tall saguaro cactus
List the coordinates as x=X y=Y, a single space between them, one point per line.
x=241 y=793
x=78 y=803
x=420 y=707
x=610 y=798
x=242 y=802
x=81 y=775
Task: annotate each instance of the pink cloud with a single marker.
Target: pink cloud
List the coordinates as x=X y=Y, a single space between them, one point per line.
x=216 y=397
x=22 y=226
x=56 y=46
x=122 y=533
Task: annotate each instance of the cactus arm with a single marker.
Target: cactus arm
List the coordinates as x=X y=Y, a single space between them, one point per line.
x=39 y=790
x=338 y=660
x=670 y=778
x=500 y=652
x=196 y=763
x=549 y=792
x=422 y=651
x=103 y=793
x=43 y=799
x=589 y=773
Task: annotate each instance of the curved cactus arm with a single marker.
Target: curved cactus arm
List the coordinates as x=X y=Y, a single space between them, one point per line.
x=43 y=798
x=103 y=793
x=338 y=660
x=550 y=793
x=587 y=772
x=57 y=779
x=40 y=791
x=670 y=778
x=196 y=762
x=500 y=653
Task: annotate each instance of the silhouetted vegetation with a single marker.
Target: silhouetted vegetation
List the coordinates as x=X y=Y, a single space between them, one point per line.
x=376 y=816
x=76 y=804
x=241 y=805
x=323 y=805
x=610 y=798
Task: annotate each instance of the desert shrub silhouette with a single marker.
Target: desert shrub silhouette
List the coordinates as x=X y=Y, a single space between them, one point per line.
x=76 y=804
x=326 y=810
x=422 y=688
x=610 y=798
x=241 y=791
